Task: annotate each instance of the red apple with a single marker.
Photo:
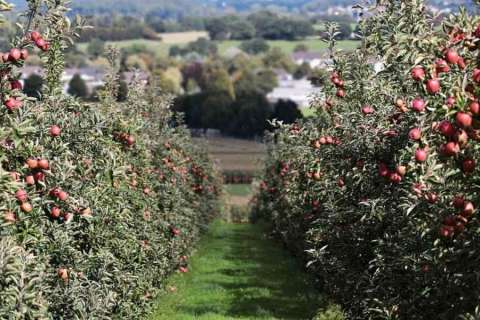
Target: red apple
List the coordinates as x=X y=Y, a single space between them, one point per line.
x=474 y=107
x=395 y=177
x=45 y=47
x=9 y=217
x=431 y=197
x=12 y=103
x=15 y=176
x=450 y=149
x=468 y=165
x=450 y=220
x=476 y=75
x=341 y=93
x=130 y=140
x=40 y=42
x=421 y=155
x=62 y=195
x=21 y=195
x=29 y=180
x=26 y=207
x=43 y=164
x=433 y=86
x=15 y=85
x=401 y=170
x=450 y=101
x=441 y=66
x=55 y=212
x=477 y=32
x=446 y=128
x=24 y=54
x=63 y=274
x=446 y=231
x=458 y=202
x=32 y=163
x=418 y=73
x=461 y=136
x=15 y=54
x=39 y=176
x=383 y=170
x=415 y=134
x=463 y=119
x=468 y=209
x=55 y=131
x=452 y=56
x=418 y=105
x=367 y=110
x=35 y=35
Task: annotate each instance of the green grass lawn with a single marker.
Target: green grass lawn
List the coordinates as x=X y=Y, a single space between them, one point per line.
x=240 y=190
x=239 y=273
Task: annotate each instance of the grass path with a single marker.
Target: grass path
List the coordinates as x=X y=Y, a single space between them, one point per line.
x=238 y=273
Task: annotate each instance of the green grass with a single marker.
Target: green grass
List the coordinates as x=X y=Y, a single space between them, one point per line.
x=162 y=48
x=289 y=46
x=239 y=273
x=157 y=46
x=240 y=190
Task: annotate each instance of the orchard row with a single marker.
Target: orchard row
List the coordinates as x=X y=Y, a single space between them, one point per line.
x=380 y=192
x=100 y=202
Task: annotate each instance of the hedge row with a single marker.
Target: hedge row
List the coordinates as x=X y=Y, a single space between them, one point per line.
x=379 y=193
x=100 y=202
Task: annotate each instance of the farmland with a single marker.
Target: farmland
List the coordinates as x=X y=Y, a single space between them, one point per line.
x=161 y=47
x=234 y=154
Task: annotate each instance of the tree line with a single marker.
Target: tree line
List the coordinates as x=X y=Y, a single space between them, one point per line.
x=263 y=24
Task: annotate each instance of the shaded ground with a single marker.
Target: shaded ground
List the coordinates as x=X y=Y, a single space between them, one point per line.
x=238 y=273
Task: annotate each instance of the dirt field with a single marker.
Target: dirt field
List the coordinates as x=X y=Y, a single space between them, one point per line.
x=182 y=37
x=235 y=154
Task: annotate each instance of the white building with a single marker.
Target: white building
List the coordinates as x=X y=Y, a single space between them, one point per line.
x=299 y=91
x=93 y=77
x=314 y=59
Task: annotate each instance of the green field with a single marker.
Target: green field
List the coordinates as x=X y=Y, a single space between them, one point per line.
x=289 y=46
x=157 y=46
x=161 y=48
x=240 y=273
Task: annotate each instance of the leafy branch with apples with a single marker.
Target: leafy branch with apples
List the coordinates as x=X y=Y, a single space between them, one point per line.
x=380 y=192
x=99 y=202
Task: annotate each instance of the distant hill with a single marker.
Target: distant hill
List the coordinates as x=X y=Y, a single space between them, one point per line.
x=177 y=8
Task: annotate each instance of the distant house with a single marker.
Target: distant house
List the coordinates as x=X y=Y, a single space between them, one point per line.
x=283 y=75
x=140 y=76
x=314 y=59
x=232 y=52
x=93 y=77
x=299 y=91
x=340 y=10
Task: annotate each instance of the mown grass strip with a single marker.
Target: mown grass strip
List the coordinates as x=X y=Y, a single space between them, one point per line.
x=239 y=273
